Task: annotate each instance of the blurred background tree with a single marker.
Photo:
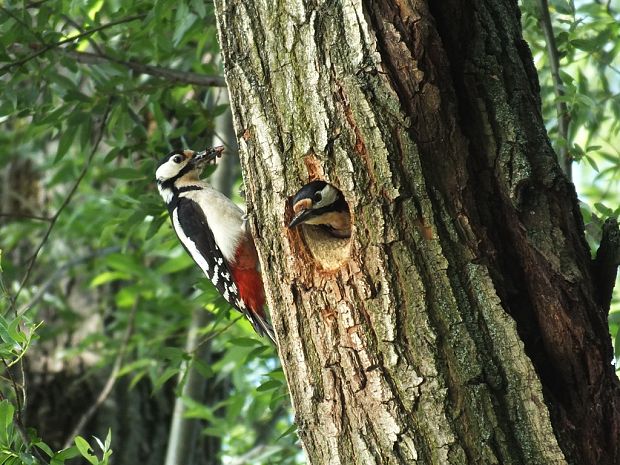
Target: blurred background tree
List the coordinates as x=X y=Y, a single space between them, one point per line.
x=104 y=320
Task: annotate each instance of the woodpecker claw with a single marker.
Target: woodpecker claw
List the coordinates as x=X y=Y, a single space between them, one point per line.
x=245 y=226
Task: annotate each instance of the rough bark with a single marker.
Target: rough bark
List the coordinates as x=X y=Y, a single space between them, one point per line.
x=460 y=323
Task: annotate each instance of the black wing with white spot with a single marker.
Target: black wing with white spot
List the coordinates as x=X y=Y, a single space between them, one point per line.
x=191 y=226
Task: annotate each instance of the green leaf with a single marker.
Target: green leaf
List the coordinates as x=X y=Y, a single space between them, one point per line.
x=591 y=162
x=165 y=376
x=186 y=23
x=108 y=440
x=176 y=264
x=269 y=385
x=44 y=447
x=6 y=419
x=200 y=8
x=65 y=454
x=16 y=333
x=108 y=276
x=155 y=225
x=85 y=449
x=290 y=430
x=606 y=211
x=205 y=370
x=135 y=366
x=66 y=139
x=124 y=263
x=5 y=335
x=258 y=351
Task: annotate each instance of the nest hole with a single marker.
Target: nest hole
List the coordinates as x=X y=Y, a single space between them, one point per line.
x=328 y=251
x=328 y=244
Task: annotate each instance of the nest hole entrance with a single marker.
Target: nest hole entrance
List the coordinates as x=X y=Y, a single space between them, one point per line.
x=328 y=251
x=322 y=215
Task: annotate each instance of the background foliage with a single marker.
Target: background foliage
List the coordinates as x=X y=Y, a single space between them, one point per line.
x=97 y=294
x=587 y=95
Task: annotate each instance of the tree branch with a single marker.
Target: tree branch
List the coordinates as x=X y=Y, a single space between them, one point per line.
x=565 y=159
x=77 y=26
x=171 y=75
x=605 y=266
x=48 y=47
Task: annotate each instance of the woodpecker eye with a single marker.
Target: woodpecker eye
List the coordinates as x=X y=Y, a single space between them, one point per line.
x=177 y=159
x=318 y=197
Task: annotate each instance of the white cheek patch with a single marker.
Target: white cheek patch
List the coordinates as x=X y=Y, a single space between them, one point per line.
x=328 y=196
x=168 y=170
x=190 y=245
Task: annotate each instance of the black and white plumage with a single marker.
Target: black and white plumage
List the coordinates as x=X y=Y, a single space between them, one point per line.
x=212 y=230
x=320 y=203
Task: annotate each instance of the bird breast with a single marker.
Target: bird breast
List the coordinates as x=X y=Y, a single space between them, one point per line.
x=224 y=218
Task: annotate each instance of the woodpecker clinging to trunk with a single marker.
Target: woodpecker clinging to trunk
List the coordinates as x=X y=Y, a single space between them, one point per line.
x=320 y=203
x=213 y=231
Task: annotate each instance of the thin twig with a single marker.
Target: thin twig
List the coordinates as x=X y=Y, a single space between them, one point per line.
x=86 y=33
x=558 y=85
x=77 y=26
x=109 y=384
x=214 y=334
x=64 y=204
x=18 y=410
x=171 y=75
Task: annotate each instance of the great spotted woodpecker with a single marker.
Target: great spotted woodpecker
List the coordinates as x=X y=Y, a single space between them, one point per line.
x=320 y=203
x=213 y=231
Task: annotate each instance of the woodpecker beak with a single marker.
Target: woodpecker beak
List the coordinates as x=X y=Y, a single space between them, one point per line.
x=207 y=156
x=300 y=217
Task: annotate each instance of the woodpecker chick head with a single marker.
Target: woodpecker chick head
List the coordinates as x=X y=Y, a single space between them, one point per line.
x=320 y=203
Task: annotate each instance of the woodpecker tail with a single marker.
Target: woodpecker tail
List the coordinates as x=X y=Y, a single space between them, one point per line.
x=252 y=293
x=261 y=325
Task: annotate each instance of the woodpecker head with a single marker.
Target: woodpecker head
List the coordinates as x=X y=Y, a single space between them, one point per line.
x=182 y=167
x=320 y=203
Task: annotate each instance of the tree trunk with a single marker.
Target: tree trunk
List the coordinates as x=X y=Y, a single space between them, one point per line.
x=459 y=324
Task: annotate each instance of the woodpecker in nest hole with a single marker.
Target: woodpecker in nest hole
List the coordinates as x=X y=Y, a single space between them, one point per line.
x=320 y=203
